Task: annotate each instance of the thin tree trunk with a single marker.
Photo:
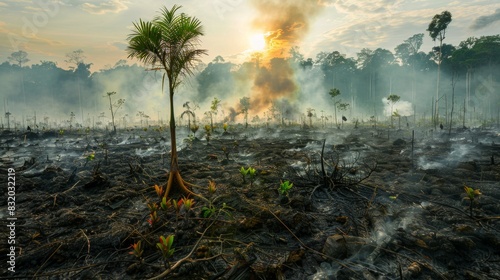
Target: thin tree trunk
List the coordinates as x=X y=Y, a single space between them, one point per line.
x=174 y=178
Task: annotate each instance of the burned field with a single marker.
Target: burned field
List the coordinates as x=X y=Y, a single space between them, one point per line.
x=364 y=204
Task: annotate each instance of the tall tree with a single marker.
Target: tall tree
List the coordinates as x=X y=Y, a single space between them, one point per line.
x=334 y=92
x=245 y=106
x=407 y=54
x=214 y=108
x=76 y=58
x=392 y=99
x=20 y=57
x=169 y=43
x=116 y=106
x=437 y=30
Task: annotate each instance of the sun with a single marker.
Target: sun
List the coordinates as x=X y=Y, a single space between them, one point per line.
x=258 y=42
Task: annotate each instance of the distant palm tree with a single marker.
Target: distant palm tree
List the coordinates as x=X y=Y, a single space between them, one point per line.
x=189 y=114
x=169 y=43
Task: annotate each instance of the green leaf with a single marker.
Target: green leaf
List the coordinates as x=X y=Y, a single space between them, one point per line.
x=170 y=240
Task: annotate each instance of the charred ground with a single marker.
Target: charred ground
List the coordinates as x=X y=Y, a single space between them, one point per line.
x=79 y=216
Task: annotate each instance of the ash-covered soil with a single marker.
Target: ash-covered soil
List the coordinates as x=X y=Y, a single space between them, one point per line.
x=78 y=215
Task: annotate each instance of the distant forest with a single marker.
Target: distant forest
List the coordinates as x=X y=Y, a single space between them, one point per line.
x=471 y=70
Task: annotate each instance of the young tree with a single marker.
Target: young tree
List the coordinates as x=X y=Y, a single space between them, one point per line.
x=334 y=92
x=116 y=105
x=214 y=108
x=437 y=30
x=245 y=106
x=310 y=115
x=342 y=107
x=7 y=116
x=189 y=114
x=169 y=43
x=392 y=99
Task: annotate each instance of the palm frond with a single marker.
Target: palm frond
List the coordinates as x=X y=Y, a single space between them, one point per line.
x=169 y=42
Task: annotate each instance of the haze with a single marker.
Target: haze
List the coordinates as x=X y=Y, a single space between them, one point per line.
x=50 y=31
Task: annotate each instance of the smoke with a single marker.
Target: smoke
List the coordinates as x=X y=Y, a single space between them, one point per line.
x=284 y=23
x=484 y=21
x=402 y=108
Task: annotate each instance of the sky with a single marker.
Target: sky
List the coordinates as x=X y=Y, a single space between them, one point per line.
x=48 y=30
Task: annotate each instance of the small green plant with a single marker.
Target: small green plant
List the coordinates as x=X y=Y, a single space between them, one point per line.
x=88 y=158
x=165 y=204
x=137 y=250
x=166 y=247
x=250 y=172
x=209 y=210
x=472 y=196
x=225 y=126
x=244 y=174
x=285 y=187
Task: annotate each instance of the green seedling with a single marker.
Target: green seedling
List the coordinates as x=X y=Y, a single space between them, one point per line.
x=208 y=211
x=165 y=204
x=137 y=250
x=165 y=246
x=472 y=196
x=243 y=173
x=90 y=157
x=285 y=187
x=250 y=172
x=176 y=206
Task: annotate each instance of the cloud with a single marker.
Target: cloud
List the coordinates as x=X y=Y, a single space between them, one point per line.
x=362 y=6
x=119 y=45
x=484 y=21
x=98 y=7
x=114 y=6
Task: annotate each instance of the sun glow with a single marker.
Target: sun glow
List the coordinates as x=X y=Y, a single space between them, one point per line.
x=258 y=42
